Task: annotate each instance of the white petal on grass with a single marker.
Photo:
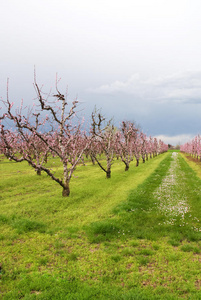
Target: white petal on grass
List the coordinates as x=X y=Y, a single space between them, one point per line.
x=172 y=203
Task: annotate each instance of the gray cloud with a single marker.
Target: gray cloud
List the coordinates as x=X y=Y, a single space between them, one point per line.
x=179 y=87
x=100 y=44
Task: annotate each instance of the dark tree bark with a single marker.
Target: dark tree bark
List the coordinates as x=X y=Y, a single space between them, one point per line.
x=66 y=191
x=126 y=167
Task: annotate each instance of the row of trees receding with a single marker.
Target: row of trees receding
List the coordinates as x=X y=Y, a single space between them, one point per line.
x=193 y=147
x=30 y=135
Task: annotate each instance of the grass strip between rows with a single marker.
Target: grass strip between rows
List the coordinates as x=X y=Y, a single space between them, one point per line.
x=140 y=217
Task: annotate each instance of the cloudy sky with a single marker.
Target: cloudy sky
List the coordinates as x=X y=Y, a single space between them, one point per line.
x=138 y=60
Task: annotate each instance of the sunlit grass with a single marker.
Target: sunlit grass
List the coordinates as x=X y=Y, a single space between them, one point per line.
x=92 y=195
x=104 y=241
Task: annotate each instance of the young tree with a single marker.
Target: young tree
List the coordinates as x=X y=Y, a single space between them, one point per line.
x=61 y=137
x=136 y=141
x=23 y=146
x=143 y=146
x=155 y=147
x=124 y=142
x=103 y=135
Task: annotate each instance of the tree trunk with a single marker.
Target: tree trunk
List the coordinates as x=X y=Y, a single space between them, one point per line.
x=82 y=159
x=126 y=167
x=92 y=159
x=38 y=171
x=66 y=191
x=108 y=174
x=137 y=162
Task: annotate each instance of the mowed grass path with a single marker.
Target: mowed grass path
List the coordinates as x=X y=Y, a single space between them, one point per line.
x=135 y=236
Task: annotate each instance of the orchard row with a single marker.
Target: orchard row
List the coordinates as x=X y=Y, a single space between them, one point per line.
x=193 y=147
x=35 y=137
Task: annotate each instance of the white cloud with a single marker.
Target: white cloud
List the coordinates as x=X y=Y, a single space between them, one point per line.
x=179 y=87
x=176 y=140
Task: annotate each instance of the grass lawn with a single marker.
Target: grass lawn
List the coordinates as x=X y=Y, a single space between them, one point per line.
x=134 y=236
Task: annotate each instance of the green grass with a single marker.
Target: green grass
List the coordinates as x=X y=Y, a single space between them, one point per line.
x=140 y=218
x=108 y=240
